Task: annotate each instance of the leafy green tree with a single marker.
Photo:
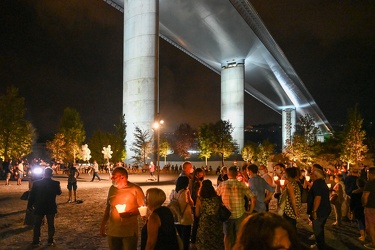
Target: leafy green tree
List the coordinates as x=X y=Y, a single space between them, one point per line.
x=16 y=133
x=205 y=137
x=57 y=147
x=119 y=150
x=71 y=126
x=353 y=148
x=142 y=146
x=102 y=139
x=249 y=152
x=184 y=137
x=223 y=143
x=164 y=148
x=302 y=146
x=265 y=151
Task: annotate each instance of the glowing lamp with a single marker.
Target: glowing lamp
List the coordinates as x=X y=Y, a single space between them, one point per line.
x=276 y=177
x=282 y=182
x=307 y=178
x=329 y=185
x=120 y=208
x=142 y=210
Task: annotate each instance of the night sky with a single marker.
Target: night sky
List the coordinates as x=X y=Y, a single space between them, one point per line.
x=69 y=54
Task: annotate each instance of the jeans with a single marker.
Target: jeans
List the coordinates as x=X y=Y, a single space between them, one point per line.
x=38 y=224
x=95 y=174
x=231 y=228
x=318 y=229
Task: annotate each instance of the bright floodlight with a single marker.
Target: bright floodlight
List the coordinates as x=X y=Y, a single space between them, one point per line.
x=37 y=170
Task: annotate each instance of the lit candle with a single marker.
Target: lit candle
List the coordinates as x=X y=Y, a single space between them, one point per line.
x=282 y=182
x=142 y=210
x=329 y=185
x=307 y=178
x=120 y=208
x=275 y=177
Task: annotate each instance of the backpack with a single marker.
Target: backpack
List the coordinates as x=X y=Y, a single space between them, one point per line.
x=175 y=208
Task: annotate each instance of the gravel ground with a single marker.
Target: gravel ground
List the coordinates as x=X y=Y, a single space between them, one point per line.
x=77 y=225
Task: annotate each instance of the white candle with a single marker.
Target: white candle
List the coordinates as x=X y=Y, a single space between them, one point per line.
x=307 y=178
x=142 y=210
x=282 y=182
x=275 y=177
x=120 y=208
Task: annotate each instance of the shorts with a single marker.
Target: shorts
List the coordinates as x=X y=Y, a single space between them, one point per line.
x=369 y=216
x=72 y=185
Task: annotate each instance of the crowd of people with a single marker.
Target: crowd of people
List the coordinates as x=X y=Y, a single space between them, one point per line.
x=246 y=192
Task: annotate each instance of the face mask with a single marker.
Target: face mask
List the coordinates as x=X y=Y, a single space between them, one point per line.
x=278 y=171
x=261 y=172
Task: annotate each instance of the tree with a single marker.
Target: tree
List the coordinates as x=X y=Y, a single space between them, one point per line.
x=184 y=137
x=142 y=146
x=265 y=150
x=119 y=150
x=223 y=143
x=102 y=139
x=353 y=149
x=58 y=147
x=164 y=149
x=205 y=137
x=301 y=147
x=16 y=133
x=71 y=126
x=249 y=152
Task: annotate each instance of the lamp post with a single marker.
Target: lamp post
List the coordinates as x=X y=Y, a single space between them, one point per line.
x=157 y=127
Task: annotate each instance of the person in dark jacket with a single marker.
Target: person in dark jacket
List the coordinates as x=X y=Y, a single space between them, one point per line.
x=42 y=200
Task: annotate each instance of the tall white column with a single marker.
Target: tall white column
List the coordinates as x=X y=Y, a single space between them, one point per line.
x=141 y=66
x=288 y=125
x=232 y=99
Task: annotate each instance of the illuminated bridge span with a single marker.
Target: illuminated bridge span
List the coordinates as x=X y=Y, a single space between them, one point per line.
x=226 y=36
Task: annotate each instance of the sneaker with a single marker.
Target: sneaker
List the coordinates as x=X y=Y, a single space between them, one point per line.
x=312 y=237
x=369 y=246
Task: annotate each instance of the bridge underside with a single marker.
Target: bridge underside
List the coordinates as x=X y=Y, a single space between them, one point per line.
x=225 y=33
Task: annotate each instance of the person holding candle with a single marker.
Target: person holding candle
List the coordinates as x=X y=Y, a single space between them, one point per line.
x=278 y=170
x=123 y=227
x=159 y=231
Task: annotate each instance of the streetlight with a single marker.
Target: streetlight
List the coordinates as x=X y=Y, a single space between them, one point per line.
x=157 y=126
